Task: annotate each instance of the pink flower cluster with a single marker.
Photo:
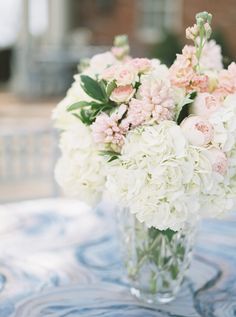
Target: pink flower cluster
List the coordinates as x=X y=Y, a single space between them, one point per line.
x=158 y=94
x=227 y=80
x=109 y=129
x=154 y=103
x=183 y=72
x=127 y=73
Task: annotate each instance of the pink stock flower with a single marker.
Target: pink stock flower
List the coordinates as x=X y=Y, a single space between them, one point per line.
x=227 y=80
x=122 y=93
x=106 y=129
x=218 y=160
x=197 y=130
x=183 y=73
x=211 y=57
x=142 y=65
x=192 y=32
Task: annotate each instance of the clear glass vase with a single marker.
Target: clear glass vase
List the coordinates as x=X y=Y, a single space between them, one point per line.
x=155 y=261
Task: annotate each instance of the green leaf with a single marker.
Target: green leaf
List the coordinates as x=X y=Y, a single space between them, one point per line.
x=86 y=116
x=93 y=89
x=137 y=85
x=110 y=87
x=154 y=232
x=77 y=105
x=111 y=155
x=77 y=116
x=174 y=270
x=169 y=233
x=183 y=111
x=103 y=87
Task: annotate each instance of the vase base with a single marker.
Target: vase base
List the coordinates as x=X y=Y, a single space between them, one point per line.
x=152 y=298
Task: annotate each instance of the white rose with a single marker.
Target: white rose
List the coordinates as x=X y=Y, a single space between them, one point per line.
x=218 y=160
x=205 y=104
x=197 y=130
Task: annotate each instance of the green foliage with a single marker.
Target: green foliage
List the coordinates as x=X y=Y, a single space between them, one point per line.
x=78 y=105
x=110 y=87
x=87 y=111
x=154 y=233
x=110 y=155
x=183 y=111
x=93 y=88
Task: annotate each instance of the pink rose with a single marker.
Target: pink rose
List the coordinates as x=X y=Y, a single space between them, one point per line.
x=197 y=130
x=141 y=64
x=125 y=75
x=122 y=93
x=218 y=160
x=205 y=104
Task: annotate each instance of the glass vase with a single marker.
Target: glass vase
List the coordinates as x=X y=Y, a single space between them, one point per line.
x=155 y=261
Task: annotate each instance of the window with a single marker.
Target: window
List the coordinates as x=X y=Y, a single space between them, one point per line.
x=157 y=16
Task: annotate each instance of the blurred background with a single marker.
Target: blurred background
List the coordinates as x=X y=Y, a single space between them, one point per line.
x=41 y=43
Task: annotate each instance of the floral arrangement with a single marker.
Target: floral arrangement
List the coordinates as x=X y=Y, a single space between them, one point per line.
x=161 y=141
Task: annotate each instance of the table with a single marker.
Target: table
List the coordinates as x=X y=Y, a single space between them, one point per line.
x=59 y=258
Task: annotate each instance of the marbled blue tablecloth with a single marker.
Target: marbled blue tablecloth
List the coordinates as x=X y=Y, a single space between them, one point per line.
x=58 y=258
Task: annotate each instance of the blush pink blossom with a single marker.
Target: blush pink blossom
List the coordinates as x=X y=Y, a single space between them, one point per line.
x=141 y=64
x=183 y=72
x=122 y=93
x=138 y=113
x=211 y=57
x=158 y=94
x=126 y=74
x=106 y=129
x=109 y=73
x=192 y=32
x=227 y=80
x=218 y=160
x=205 y=104
x=197 y=130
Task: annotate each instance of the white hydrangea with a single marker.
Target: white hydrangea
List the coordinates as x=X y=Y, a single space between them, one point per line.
x=80 y=170
x=161 y=178
x=224 y=124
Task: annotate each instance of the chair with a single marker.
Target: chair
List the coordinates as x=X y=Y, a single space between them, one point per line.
x=27 y=160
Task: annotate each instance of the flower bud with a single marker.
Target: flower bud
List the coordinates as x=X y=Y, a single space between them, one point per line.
x=121 y=40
